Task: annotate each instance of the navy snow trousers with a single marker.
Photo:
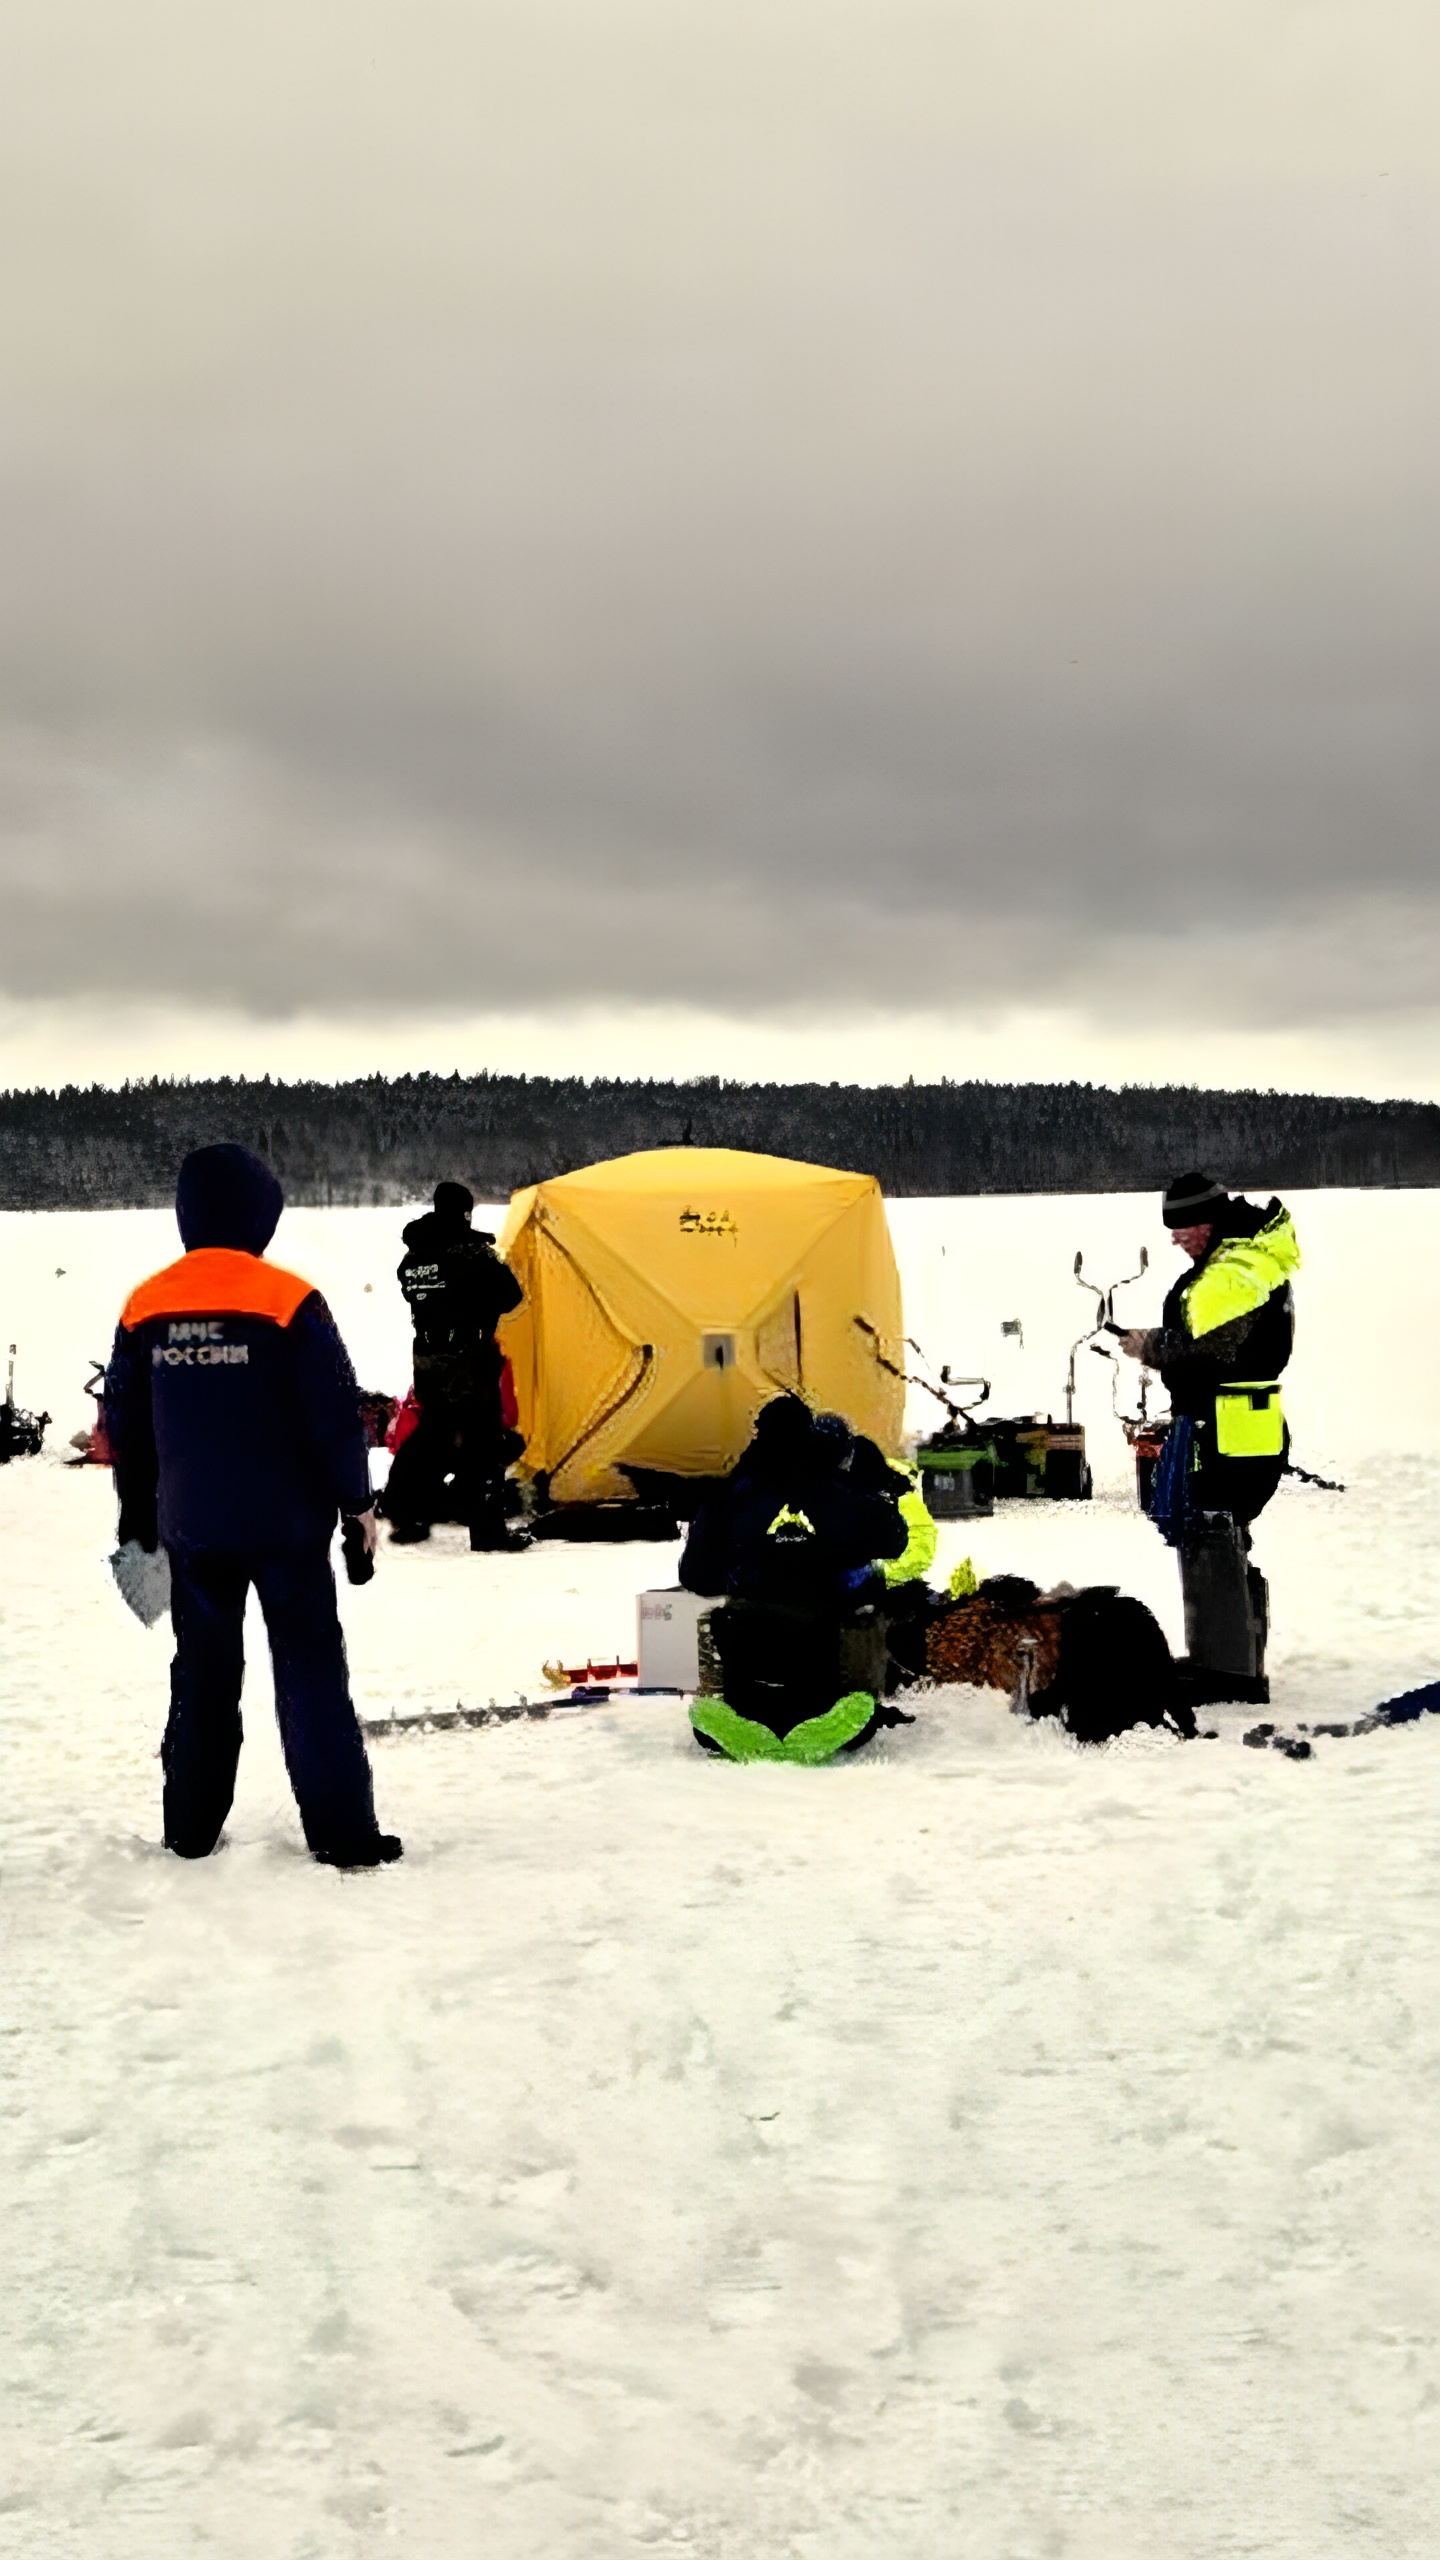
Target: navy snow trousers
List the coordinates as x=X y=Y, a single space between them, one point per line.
x=323 y=1747
x=463 y=1438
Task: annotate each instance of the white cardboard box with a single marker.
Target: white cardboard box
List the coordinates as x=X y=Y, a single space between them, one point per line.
x=667 y=1643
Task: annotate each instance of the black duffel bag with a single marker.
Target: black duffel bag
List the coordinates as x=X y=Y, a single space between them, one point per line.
x=1115 y=1671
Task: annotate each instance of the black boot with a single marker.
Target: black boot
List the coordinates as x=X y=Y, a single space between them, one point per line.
x=381 y=1850
x=1223 y=1638
x=1201 y=1685
x=491 y=1530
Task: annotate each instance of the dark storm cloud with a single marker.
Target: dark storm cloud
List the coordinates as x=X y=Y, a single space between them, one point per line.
x=734 y=522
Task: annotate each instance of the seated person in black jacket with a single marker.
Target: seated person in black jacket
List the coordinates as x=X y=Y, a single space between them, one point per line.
x=782 y=1542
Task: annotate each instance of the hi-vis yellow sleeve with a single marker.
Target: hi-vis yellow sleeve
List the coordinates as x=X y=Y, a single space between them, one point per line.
x=1240 y=1275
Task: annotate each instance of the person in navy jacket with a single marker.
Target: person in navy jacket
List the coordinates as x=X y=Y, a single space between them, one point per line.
x=233 y=1416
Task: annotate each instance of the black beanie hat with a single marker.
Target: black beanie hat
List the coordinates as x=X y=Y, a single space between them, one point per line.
x=226 y=1196
x=784 y=1426
x=1194 y=1200
x=870 y=1469
x=453 y=1201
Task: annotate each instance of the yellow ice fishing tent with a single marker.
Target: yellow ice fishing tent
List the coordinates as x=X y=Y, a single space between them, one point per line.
x=669 y=1295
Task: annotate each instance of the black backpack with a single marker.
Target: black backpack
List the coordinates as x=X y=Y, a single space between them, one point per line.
x=1115 y=1670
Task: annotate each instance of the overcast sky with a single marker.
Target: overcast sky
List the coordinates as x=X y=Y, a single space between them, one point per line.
x=846 y=520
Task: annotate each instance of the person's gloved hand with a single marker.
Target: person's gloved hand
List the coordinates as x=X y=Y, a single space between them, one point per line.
x=862 y=1582
x=1133 y=1343
x=359 y=1536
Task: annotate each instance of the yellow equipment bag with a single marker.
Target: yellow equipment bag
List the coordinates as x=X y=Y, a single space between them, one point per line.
x=1249 y=1422
x=669 y=1295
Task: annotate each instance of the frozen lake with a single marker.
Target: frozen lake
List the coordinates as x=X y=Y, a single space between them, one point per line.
x=977 y=2147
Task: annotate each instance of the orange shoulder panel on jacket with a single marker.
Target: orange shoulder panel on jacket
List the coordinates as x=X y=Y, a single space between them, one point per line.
x=215 y=1281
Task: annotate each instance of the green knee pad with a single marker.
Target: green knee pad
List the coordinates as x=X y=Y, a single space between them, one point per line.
x=820 y=1737
x=805 y=1745
x=737 y=1736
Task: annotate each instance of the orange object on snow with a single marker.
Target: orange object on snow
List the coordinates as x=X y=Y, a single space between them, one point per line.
x=92 y=1448
x=588 y=1675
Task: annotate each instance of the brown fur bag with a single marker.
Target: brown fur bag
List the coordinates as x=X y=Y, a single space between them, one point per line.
x=975 y=1643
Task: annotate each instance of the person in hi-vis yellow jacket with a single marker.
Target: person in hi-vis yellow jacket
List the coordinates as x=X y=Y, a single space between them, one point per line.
x=1225 y=1334
x=901 y=1592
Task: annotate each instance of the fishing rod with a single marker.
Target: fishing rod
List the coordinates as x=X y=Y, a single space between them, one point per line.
x=958 y=1409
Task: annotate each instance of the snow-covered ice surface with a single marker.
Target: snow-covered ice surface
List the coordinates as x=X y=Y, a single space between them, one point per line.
x=979 y=2147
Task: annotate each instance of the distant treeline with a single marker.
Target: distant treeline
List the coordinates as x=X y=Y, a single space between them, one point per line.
x=382 y=1140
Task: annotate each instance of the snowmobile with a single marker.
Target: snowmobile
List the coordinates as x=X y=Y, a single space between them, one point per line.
x=969 y=1465
x=1036 y=1458
x=21 y=1433
x=957 y=1462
